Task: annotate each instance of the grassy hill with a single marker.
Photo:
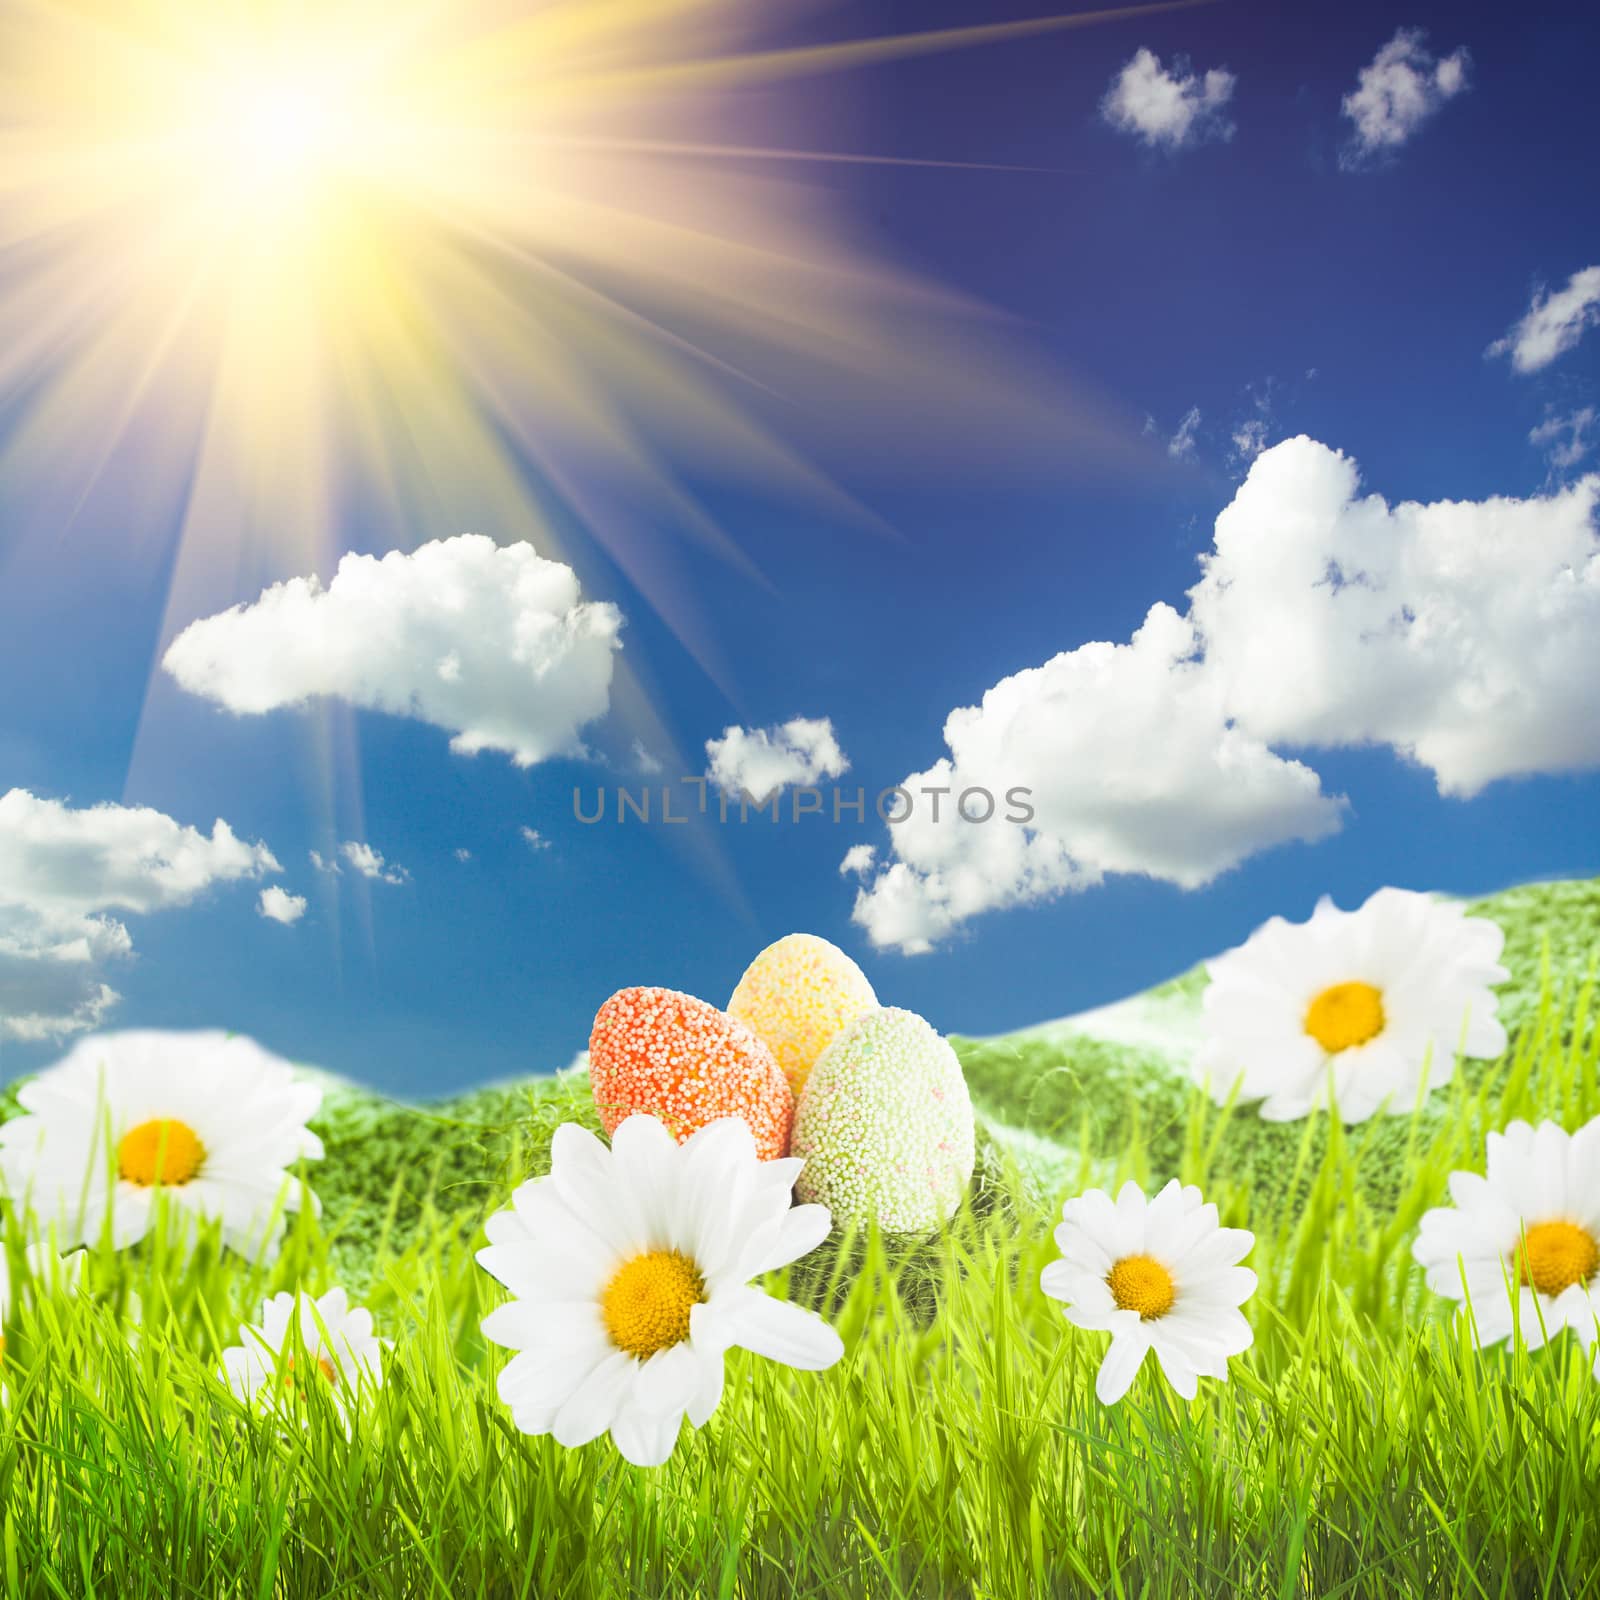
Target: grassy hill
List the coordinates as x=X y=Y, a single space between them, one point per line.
x=1094 y=1097
x=1362 y=1445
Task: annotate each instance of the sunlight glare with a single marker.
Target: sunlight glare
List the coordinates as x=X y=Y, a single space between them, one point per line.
x=277 y=269
x=285 y=132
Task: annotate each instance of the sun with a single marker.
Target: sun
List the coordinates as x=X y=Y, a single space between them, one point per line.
x=264 y=172
x=287 y=133
x=275 y=268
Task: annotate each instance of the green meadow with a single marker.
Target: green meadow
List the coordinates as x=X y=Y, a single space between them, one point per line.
x=1362 y=1448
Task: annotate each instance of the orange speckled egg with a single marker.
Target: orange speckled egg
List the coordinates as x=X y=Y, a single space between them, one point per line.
x=682 y=1060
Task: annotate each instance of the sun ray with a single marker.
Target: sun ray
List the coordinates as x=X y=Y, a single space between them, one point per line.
x=276 y=269
x=767 y=66
x=737 y=152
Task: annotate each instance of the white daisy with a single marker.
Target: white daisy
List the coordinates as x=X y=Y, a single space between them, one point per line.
x=209 y=1121
x=298 y=1334
x=1523 y=1242
x=630 y=1270
x=1377 y=1001
x=1157 y=1275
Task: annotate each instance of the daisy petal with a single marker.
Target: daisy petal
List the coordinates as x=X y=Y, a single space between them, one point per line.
x=592 y=1407
x=665 y=1383
x=798 y=1232
x=645 y=1440
x=1176 y=1367
x=784 y=1332
x=1120 y=1367
x=707 y=1395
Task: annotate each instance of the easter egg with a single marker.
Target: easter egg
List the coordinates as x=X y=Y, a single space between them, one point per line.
x=685 y=1062
x=885 y=1125
x=796 y=995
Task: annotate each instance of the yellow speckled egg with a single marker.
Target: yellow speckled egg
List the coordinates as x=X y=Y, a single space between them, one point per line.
x=796 y=996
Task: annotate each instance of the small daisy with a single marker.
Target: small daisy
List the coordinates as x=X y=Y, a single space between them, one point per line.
x=1524 y=1240
x=1379 y=1001
x=297 y=1334
x=210 y=1121
x=48 y=1273
x=630 y=1270
x=1157 y=1275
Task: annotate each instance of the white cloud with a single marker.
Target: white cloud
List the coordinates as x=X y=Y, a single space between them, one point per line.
x=761 y=761
x=62 y=869
x=367 y=861
x=1399 y=90
x=52 y=978
x=325 y=864
x=1250 y=439
x=55 y=859
x=463 y=854
x=1565 y=440
x=1464 y=635
x=278 y=905
x=1171 y=109
x=534 y=839
x=1181 y=445
x=858 y=861
x=1250 y=434
x=1133 y=767
x=644 y=761
x=494 y=644
x=1554 y=323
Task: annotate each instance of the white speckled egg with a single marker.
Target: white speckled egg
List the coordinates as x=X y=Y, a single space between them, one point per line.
x=885 y=1125
x=796 y=996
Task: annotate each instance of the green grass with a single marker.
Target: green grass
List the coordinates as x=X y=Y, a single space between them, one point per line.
x=1363 y=1447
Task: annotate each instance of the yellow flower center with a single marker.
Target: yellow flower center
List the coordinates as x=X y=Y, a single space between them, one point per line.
x=161 y=1151
x=1142 y=1284
x=1346 y=1015
x=324 y=1366
x=646 y=1305
x=1556 y=1255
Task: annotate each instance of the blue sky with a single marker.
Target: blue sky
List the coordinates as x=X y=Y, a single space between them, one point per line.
x=1246 y=273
